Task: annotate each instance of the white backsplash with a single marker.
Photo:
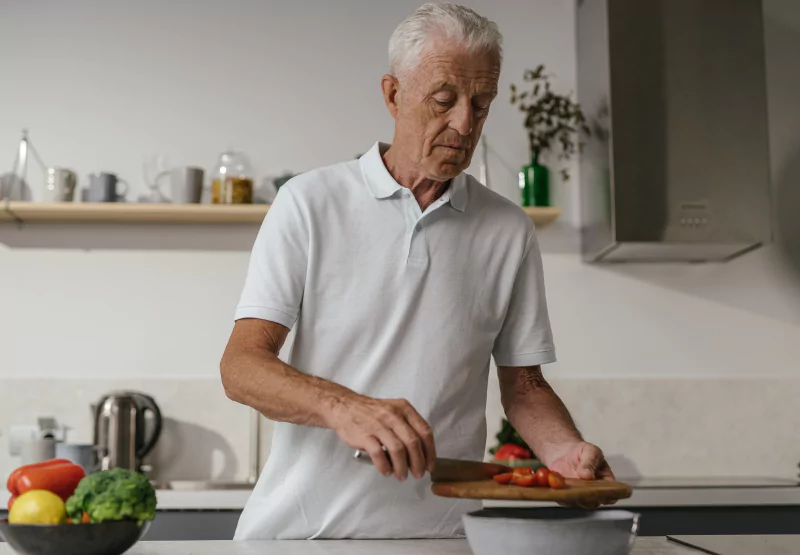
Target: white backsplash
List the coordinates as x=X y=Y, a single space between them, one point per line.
x=205 y=435
x=688 y=427
x=650 y=427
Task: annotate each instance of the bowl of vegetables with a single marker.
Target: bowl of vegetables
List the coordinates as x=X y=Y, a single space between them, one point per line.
x=55 y=509
x=103 y=538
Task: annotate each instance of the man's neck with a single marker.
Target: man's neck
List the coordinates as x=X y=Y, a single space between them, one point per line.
x=408 y=175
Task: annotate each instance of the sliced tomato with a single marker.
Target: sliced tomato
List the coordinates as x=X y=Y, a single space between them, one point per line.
x=524 y=480
x=504 y=478
x=523 y=471
x=541 y=477
x=556 y=481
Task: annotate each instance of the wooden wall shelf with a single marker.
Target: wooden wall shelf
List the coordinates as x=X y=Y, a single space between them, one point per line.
x=543 y=215
x=123 y=212
x=110 y=212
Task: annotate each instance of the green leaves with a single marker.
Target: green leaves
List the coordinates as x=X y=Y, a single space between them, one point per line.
x=550 y=119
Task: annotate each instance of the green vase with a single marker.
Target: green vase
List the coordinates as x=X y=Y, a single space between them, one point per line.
x=534 y=180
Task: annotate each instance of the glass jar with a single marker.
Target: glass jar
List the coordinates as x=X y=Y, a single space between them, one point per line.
x=232 y=179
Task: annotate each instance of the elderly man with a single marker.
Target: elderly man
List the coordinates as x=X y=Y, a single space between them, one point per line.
x=403 y=276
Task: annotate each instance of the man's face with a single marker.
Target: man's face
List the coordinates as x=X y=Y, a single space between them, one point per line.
x=440 y=106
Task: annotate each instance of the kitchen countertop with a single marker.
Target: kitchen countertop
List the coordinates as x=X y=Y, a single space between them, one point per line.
x=691 y=497
x=203 y=500
x=660 y=492
x=647 y=492
x=644 y=546
x=661 y=482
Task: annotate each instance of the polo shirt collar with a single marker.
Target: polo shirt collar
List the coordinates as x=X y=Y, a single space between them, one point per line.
x=457 y=191
x=379 y=180
x=382 y=185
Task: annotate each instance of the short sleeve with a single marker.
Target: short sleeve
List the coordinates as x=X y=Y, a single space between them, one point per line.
x=526 y=338
x=276 y=276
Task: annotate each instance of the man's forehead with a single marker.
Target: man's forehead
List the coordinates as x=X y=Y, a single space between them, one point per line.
x=441 y=70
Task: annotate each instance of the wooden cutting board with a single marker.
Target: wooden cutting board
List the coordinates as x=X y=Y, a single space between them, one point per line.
x=576 y=491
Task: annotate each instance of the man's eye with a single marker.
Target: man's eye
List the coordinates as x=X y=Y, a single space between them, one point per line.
x=444 y=103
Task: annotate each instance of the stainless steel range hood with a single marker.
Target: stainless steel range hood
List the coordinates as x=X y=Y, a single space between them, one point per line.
x=677 y=167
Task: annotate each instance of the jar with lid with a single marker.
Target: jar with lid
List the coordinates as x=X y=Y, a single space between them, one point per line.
x=232 y=179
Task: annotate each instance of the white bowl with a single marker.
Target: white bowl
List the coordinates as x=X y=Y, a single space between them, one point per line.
x=512 y=531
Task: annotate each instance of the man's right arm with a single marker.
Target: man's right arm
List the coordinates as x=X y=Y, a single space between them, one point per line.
x=253 y=375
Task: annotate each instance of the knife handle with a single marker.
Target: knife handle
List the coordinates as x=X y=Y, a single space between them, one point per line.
x=363 y=456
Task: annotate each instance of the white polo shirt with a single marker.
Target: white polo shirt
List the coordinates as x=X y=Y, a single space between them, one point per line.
x=391 y=302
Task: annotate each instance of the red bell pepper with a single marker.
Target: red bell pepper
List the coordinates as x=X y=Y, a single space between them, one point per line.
x=59 y=476
x=510 y=451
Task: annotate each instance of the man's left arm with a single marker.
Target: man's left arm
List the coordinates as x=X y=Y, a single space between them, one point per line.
x=541 y=418
x=524 y=343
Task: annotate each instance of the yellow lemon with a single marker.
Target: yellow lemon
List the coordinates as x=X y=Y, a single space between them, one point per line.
x=37 y=507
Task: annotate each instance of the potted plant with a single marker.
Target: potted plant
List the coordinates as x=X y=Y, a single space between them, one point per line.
x=551 y=120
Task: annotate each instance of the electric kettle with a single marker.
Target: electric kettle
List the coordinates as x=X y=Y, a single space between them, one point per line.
x=123 y=433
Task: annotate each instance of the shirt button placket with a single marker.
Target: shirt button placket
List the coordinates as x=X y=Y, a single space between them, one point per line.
x=416 y=249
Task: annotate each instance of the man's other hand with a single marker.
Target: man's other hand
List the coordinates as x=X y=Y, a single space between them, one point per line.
x=584 y=461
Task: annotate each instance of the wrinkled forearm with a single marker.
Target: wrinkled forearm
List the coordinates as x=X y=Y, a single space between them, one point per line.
x=537 y=412
x=253 y=375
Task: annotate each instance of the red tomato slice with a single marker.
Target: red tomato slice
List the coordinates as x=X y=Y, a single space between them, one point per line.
x=524 y=480
x=504 y=478
x=523 y=471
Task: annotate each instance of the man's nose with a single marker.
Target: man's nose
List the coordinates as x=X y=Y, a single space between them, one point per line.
x=461 y=120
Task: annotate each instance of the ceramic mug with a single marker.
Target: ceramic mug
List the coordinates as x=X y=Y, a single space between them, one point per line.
x=60 y=185
x=104 y=187
x=37 y=450
x=186 y=184
x=84 y=455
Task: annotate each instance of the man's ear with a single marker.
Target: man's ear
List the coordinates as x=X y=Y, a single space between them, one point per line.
x=389 y=85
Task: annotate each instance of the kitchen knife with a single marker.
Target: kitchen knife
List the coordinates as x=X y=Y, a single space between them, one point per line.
x=454 y=470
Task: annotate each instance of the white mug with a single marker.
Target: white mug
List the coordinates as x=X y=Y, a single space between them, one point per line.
x=37 y=450
x=60 y=185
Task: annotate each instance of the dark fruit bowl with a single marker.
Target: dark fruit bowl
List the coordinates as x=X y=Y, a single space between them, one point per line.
x=105 y=538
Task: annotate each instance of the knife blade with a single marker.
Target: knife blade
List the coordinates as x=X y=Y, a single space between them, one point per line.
x=455 y=470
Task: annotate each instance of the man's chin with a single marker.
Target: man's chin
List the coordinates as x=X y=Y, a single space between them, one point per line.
x=446 y=170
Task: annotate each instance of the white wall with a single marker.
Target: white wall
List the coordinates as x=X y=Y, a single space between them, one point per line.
x=101 y=85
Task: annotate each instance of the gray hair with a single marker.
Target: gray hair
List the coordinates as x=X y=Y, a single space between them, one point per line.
x=453 y=22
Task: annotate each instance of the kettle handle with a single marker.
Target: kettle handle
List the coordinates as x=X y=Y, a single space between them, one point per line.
x=150 y=404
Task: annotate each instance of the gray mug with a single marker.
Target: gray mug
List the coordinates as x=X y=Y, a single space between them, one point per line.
x=84 y=455
x=186 y=184
x=104 y=187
